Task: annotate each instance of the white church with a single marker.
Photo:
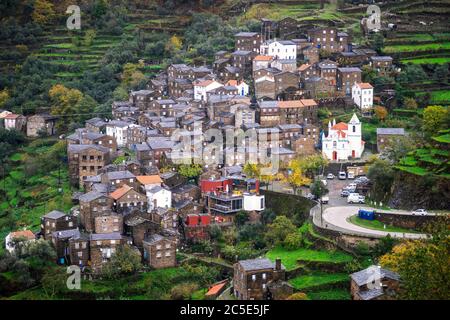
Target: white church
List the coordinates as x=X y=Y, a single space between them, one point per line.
x=344 y=141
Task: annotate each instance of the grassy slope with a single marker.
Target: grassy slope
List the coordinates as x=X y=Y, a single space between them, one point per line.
x=30 y=197
x=317 y=279
x=289 y=258
x=377 y=225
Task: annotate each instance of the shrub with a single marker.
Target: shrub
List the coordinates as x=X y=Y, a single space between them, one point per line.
x=183 y=291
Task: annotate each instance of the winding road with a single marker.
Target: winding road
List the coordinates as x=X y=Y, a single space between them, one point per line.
x=336 y=218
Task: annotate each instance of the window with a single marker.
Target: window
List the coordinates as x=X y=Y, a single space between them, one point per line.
x=253 y=277
x=80 y=254
x=167 y=254
x=264 y=276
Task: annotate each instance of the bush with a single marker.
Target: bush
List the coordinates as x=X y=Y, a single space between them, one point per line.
x=293 y=241
x=125 y=261
x=183 y=291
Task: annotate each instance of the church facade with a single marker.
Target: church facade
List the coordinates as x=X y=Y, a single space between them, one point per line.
x=343 y=141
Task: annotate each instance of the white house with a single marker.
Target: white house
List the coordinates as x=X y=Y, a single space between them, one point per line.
x=343 y=141
x=243 y=88
x=26 y=235
x=280 y=49
x=159 y=197
x=254 y=202
x=362 y=95
x=118 y=129
x=201 y=88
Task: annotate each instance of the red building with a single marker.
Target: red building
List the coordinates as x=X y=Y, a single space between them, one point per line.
x=196 y=227
x=216 y=185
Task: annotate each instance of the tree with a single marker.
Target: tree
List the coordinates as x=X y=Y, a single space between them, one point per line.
x=183 y=291
x=43 y=12
x=191 y=171
x=396 y=149
x=441 y=72
x=251 y=170
x=4 y=97
x=64 y=103
x=279 y=229
x=267 y=216
x=377 y=42
x=54 y=282
x=423 y=267
x=174 y=44
x=124 y=261
x=311 y=164
x=89 y=37
x=215 y=232
x=295 y=177
x=241 y=218
x=410 y=104
x=434 y=119
x=293 y=241
x=381 y=113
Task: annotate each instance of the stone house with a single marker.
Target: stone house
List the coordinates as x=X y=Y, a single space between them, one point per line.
x=328 y=38
x=71 y=246
x=298 y=111
x=180 y=71
x=346 y=78
x=268 y=113
x=142 y=98
x=93 y=204
x=56 y=221
x=126 y=199
x=374 y=283
x=162 y=107
x=95 y=125
x=243 y=61
x=251 y=277
x=328 y=70
x=265 y=87
x=117 y=179
x=103 y=246
x=160 y=251
x=41 y=123
x=140 y=225
x=381 y=64
x=303 y=145
x=126 y=111
x=318 y=88
x=248 y=41
x=108 y=223
x=311 y=55
x=14 y=121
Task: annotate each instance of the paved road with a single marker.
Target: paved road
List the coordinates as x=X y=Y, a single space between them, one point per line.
x=336 y=218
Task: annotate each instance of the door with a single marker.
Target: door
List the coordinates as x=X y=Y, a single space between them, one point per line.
x=353 y=153
x=334 y=155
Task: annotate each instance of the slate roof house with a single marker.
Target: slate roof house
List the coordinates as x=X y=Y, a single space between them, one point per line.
x=374 y=283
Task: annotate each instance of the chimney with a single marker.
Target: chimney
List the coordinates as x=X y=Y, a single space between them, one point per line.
x=278 y=264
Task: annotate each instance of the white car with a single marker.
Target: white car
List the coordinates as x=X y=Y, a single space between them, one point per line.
x=325 y=199
x=355 y=198
x=330 y=176
x=342 y=175
x=324 y=182
x=419 y=212
x=351 y=175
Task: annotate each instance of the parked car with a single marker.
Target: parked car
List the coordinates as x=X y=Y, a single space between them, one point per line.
x=330 y=176
x=342 y=175
x=419 y=212
x=355 y=198
x=350 y=175
x=310 y=196
x=345 y=193
x=324 y=182
x=362 y=179
x=324 y=199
